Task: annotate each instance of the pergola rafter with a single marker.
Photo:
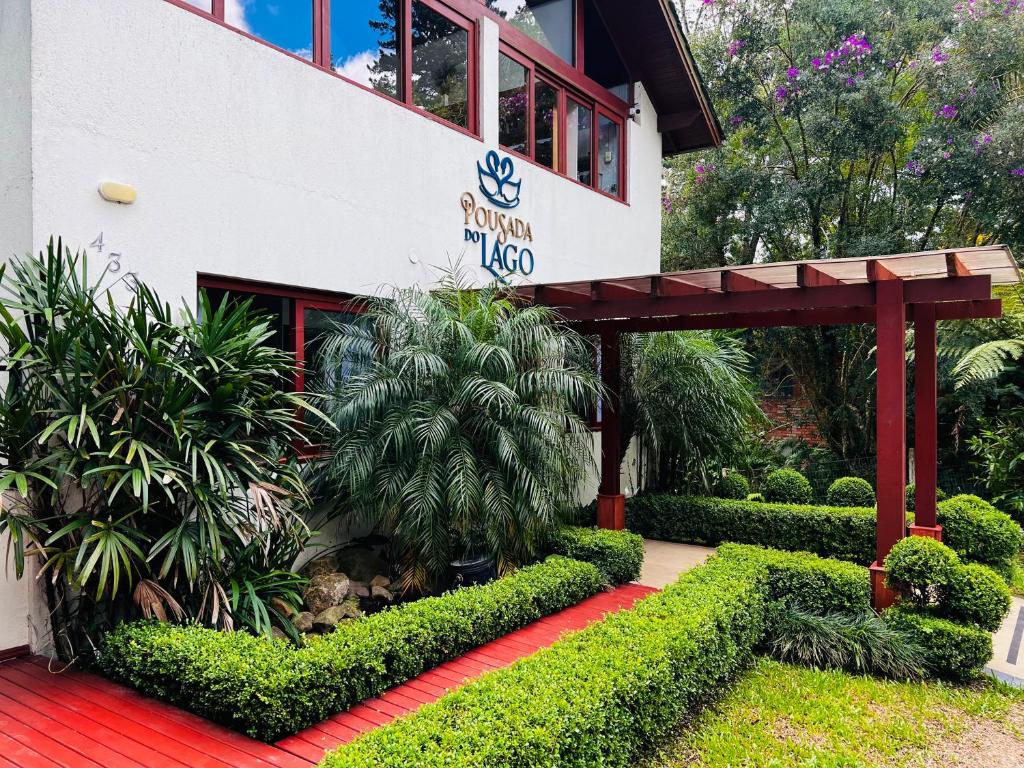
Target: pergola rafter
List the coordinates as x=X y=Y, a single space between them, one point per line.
x=889 y=291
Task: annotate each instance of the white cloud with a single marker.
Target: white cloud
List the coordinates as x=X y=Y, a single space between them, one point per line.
x=357 y=66
x=234 y=14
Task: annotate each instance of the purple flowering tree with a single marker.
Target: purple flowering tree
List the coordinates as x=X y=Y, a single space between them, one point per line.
x=851 y=128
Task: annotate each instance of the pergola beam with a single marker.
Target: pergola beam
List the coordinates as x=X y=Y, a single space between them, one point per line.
x=810 y=276
x=922 y=291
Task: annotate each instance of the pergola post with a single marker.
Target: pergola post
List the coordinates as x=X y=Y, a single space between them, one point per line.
x=891 y=436
x=611 y=504
x=925 y=423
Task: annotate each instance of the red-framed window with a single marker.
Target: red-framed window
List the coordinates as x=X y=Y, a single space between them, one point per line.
x=421 y=54
x=299 y=317
x=555 y=115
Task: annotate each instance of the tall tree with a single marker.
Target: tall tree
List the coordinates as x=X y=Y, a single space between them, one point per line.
x=852 y=129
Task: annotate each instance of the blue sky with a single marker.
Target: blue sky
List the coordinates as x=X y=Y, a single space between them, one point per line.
x=289 y=23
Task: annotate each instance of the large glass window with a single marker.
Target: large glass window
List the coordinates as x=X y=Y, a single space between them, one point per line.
x=578 y=141
x=440 y=65
x=601 y=62
x=203 y=5
x=287 y=24
x=608 y=141
x=552 y=23
x=513 y=104
x=365 y=43
x=546 y=124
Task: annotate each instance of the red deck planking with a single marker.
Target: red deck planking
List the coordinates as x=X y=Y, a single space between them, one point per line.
x=78 y=720
x=432 y=684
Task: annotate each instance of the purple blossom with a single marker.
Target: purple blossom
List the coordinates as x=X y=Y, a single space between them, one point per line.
x=915 y=167
x=666 y=204
x=946 y=155
x=948 y=111
x=736 y=120
x=816 y=62
x=938 y=56
x=735 y=47
x=793 y=73
x=781 y=93
x=1017 y=171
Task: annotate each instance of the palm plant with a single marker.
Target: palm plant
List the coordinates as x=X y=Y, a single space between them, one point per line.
x=142 y=455
x=687 y=396
x=458 y=433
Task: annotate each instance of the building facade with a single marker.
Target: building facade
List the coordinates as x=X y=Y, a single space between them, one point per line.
x=309 y=151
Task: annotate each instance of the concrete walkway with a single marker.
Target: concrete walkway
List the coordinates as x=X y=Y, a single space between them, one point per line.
x=1008 y=645
x=665 y=560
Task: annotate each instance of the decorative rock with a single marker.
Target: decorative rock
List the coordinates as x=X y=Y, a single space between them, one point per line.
x=358 y=589
x=278 y=634
x=283 y=607
x=381 y=594
x=303 y=622
x=380 y=581
x=322 y=566
x=325 y=590
x=326 y=620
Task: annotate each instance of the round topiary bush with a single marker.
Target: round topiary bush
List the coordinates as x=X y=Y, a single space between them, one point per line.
x=916 y=565
x=851 y=492
x=787 y=486
x=980 y=532
x=977 y=595
x=940 y=495
x=732 y=486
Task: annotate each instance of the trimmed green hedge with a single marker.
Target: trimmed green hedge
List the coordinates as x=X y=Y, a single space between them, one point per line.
x=732 y=486
x=976 y=530
x=787 y=486
x=979 y=532
x=851 y=492
x=271 y=689
x=954 y=651
x=601 y=695
x=843 y=533
x=617 y=554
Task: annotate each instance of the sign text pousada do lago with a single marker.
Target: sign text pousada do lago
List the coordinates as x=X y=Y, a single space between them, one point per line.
x=505 y=240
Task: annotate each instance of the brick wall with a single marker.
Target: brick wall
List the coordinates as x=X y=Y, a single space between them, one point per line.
x=791 y=417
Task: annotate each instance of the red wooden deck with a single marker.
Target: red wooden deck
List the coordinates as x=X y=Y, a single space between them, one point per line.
x=78 y=720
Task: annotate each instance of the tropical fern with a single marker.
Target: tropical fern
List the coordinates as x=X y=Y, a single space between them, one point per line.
x=987 y=361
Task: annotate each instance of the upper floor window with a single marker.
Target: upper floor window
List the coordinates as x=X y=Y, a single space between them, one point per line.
x=440 y=64
x=601 y=61
x=552 y=23
x=365 y=44
x=288 y=24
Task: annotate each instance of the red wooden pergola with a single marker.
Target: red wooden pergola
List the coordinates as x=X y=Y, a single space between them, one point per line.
x=888 y=291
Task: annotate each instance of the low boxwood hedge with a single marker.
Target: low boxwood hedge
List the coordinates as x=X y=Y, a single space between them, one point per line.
x=844 y=533
x=976 y=531
x=952 y=650
x=271 y=689
x=601 y=695
x=617 y=554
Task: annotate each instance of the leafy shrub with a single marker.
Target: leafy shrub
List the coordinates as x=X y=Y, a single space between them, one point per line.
x=732 y=486
x=979 y=532
x=601 y=695
x=851 y=492
x=844 y=533
x=617 y=554
x=269 y=689
x=940 y=495
x=787 y=486
x=857 y=642
x=955 y=651
x=976 y=594
x=917 y=566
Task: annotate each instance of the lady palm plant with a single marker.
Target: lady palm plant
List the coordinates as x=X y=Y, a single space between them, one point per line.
x=687 y=396
x=459 y=431
x=143 y=455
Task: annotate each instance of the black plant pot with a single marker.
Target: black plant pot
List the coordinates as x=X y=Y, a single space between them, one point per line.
x=477 y=570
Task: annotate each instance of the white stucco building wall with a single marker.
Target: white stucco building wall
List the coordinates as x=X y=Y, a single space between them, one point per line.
x=250 y=164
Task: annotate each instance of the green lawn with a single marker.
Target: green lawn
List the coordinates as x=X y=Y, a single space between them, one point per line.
x=781 y=715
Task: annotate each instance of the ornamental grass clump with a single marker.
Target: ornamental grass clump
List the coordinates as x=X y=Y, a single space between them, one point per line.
x=459 y=426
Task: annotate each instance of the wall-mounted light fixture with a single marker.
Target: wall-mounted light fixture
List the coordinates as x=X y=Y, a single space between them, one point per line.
x=116 y=192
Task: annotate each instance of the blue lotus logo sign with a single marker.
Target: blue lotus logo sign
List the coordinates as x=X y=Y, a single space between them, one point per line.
x=505 y=240
x=496 y=181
